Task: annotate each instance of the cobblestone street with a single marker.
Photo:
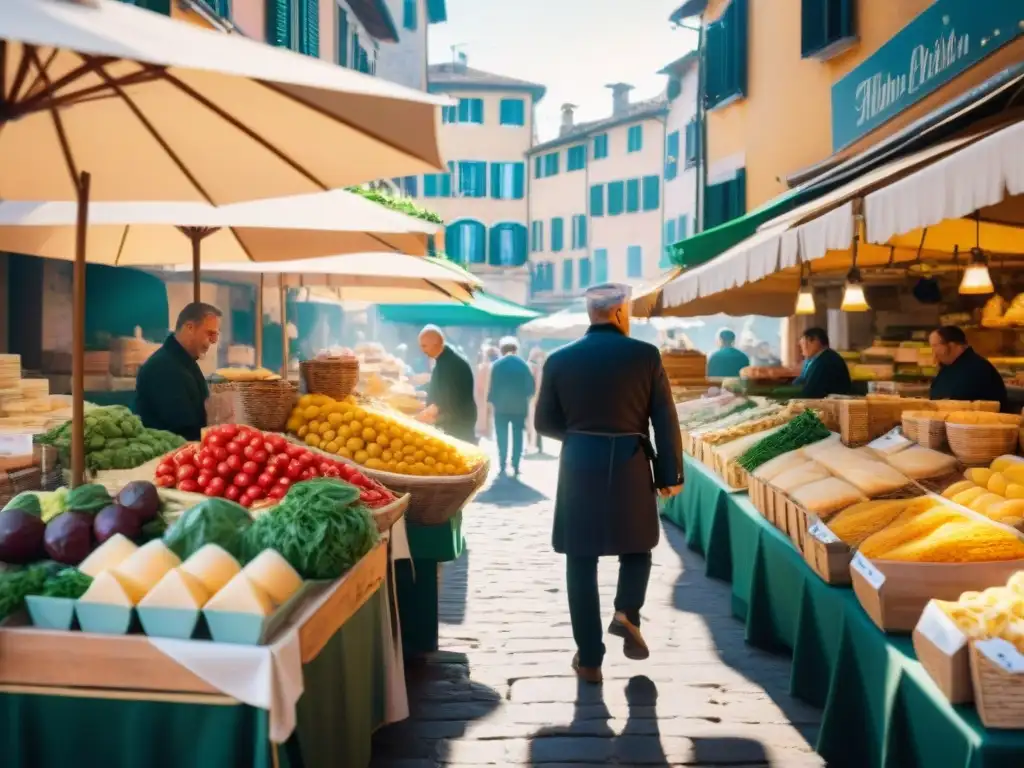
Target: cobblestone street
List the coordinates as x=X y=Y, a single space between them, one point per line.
x=501 y=691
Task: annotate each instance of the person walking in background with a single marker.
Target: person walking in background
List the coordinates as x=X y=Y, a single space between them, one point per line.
x=601 y=395
x=727 y=361
x=533 y=437
x=509 y=394
x=482 y=386
x=450 y=403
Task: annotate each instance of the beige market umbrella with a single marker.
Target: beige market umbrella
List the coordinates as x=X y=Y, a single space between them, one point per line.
x=159 y=110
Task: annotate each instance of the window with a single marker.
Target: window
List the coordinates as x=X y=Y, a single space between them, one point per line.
x=683 y=228
x=449 y=114
x=538 y=167
x=600 y=265
x=692 y=143
x=536 y=236
x=584 y=272
x=670 y=238
x=508 y=181
x=409 y=14
x=601 y=146
x=652 y=193
x=725 y=201
x=672 y=156
x=438 y=184
x=826 y=27
x=675 y=88
x=634 y=261
x=471 y=111
x=616 y=197
x=508 y=245
x=512 y=112
x=545 y=276
x=341 y=39
x=567 y=276
x=632 y=195
x=360 y=58
x=577 y=159
x=557 y=234
x=465 y=242
x=597 y=200
x=726 y=77
x=635 y=138
x=293 y=24
x=551 y=164
x=410 y=185
x=472 y=178
x=579 y=231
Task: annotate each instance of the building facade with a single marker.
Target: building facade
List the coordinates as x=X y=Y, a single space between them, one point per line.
x=682 y=155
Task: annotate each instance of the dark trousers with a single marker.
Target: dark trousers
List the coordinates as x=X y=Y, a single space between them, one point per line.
x=585 y=602
x=503 y=422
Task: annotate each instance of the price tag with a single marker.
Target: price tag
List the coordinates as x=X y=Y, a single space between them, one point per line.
x=1002 y=654
x=891 y=442
x=821 y=532
x=15 y=444
x=871 y=575
x=941 y=630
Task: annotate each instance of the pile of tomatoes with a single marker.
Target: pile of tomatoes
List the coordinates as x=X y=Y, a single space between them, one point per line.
x=246 y=465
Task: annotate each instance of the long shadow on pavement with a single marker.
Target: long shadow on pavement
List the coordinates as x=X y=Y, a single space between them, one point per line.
x=454 y=590
x=509 y=492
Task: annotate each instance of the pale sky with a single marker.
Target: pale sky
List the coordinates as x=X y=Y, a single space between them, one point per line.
x=574 y=47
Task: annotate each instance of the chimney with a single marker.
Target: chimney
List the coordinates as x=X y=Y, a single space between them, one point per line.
x=620 y=97
x=567 y=119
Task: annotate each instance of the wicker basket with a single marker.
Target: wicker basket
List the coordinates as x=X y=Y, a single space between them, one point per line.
x=385 y=517
x=926 y=428
x=222 y=405
x=335 y=377
x=435 y=500
x=998 y=692
x=266 y=405
x=19 y=481
x=977 y=444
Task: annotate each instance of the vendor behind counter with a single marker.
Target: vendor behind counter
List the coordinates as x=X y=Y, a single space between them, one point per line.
x=963 y=373
x=825 y=372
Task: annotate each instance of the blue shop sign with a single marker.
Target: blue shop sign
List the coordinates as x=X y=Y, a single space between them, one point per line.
x=945 y=40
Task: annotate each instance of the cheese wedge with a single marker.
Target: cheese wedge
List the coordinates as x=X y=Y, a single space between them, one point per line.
x=177 y=589
x=112 y=588
x=241 y=595
x=272 y=573
x=213 y=566
x=148 y=564
x=108 y=555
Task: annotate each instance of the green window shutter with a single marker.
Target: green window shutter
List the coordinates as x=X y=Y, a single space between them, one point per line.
x=540 y=235
x=600 y=265
x=557 y=234
x=157 y=6
x=496 y=181
x=341 y=44
x=464 y=110
x=518 y=181
x=670 y=238
x=538 y=167
x=692 y=143
x=635 y=138
x=583 y=231
x=632 y=195
x=675 y=88
x=551 y=164
x=430 y=184
x=601 y=146
x=477 y=111
x=409 y=20
x=652 y=193
x=726 y=71
x=584 y=272
x=279 y=23
x=683 y=228
x=512 y=112
x=309 y=27
x=597 y=200
x=672 y=156
x=453 y=243
x=616 y=198
x=576 y=158
x=634 y=261
x=567 y=275
x=825 y=25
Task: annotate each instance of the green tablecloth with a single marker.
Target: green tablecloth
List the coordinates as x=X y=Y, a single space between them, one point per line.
x=881 y=709
x=343 y=703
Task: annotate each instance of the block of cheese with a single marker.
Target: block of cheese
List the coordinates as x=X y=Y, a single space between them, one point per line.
x=148 y=564
x=823 y=497
x=241 y=595
x=111 y=588
x=814 y=450
x=271 y=572
x=177 y=589
x=775 y=467
x=801 y=475
x=108 y=555
x=872 y=478
x=837 y=456
x=918 y=462
x=213 y=566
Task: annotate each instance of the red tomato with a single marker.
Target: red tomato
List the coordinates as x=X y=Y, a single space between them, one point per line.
x=228 y=430
x=273 y=469
x=242 y=480
x=306 y=460
x=294 y=471
x=208 y=462
x=284 y=482
x=255 y=493
x=308 y=473
x=235 y=448
x=213 y=439
x=185 y=471
x=232 y=492
x=331 y=472
x=165 y=468
x=277 y=492
x=243 y=435
x=219 y=453
x=235 y=462
x=247 y=451
x=186 y=455
x=294 y=451
x=165 y=481
x=265 y=480
x=251 y=468
x=224 y=470
x=203 y=479
x=215 y=487
x=260 y=456
x=189 y=486
x=256 y=441
x=245 y=501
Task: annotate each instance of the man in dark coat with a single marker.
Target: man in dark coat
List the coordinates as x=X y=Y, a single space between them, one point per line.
x=600 y=396
x=825 y=372
x=963 y=373
x=511 y=389
x=170 y=389
x=450 y=402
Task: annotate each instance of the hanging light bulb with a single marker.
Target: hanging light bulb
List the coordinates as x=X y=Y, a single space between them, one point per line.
x=854 y=299
x=805 y=301
x=976 y=280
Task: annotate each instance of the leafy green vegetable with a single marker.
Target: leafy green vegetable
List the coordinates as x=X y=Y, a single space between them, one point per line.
x=214 y=521
x=27 y=501
x=400 y=204
x=154 y=529
x=90 y=498
x=70 y=582
x=15 y=586
x=803 y=430
x=319 y=527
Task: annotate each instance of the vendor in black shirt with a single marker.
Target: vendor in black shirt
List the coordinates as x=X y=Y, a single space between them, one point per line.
x=963 y=373
x=825 y=372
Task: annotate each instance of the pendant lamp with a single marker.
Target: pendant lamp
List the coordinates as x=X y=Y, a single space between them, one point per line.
x=977 y=281
x=854 y=299
x=805 y=298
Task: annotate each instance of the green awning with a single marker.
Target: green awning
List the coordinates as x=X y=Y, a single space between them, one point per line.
x=486 y=310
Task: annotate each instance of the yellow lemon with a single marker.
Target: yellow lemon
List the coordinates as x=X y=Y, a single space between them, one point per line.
x=345 y=453
x=311 y=412
x=293 y=424
x=359 y=413
x=449 y=469
x=373 y=463
x=302 y=431
x=395 y=431
x=408 y=437
x=314 y=440
x=402 y=468
x=383 y=439
x=305 y=400
x=344 y=432
x=374 y=450
x=361 y=456
x=369 y=434
x=327 y=435
x=430 y=461
x=331 y=447
x=418 y=442
x=314 y=426
x=334 y=419
x=354 y=444
x=356 y=426
x=443 y=457
x=397 y=445
x=408 y=450
x=432 y=449
x=419 y=456
x=325 y=426
x=387 y=455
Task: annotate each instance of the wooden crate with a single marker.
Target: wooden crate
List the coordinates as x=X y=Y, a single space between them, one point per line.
x=826 y=554
x=127 y=354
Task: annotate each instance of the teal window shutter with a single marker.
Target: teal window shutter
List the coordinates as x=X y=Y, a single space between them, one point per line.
x=632 y=195
x=725 y=201
x=508 y=245
x=692 y=143
x=518 y=180
x=453 y=243
x=551 y=164
x=430 y=185
x=557 y=234
x=472 y=178
x=538 y=167
x=634 y=261
x=410 y=185
x=670 y=238
x=449 y=114
x=601 y=146
x=309 y=27
x=616 y=198
x=584 y=272
x=826 y=26
x=341 y=46
x=577 y=158
x=675 y=88
x=652 y=193
x=279 y=23
x=672 y=155
x=567 y=276
x=464 y=110
x=635 y=138
x=726 y=57
x=583 y=231
x=409 y=20
x=465 y=242
x=683 y=227
x=512 y=112
x=477 y=111
x=496 y=169
x=600 y=265
x=597 y=200
x=446 y=180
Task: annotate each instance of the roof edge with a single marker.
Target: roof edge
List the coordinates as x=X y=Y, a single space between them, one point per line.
x=375 y=18
x=537 y=91
x=680 y=65
x=646 y=114
x=687 y=10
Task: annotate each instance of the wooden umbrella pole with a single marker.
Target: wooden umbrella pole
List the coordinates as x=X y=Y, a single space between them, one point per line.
x=259 y=324
x=284 y=327
x=197 y=238
x=78 y=336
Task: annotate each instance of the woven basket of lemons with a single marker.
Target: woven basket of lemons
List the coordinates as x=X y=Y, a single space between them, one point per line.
x=979 y=437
